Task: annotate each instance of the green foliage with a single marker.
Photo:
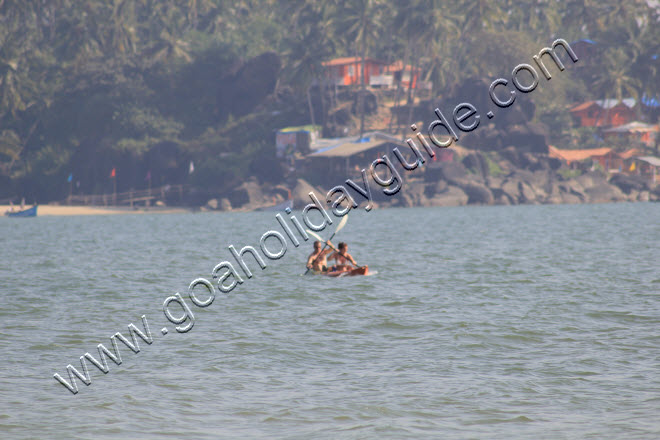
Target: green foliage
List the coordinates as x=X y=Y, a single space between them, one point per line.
x=586 y=137
x=569 y=173
x=493 y=167
x=142 y=85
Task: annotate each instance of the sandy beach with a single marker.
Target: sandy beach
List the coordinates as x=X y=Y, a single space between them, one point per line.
x=58 y=210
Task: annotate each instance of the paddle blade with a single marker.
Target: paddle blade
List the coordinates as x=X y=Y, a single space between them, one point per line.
x=315 y=235
x=341 y=224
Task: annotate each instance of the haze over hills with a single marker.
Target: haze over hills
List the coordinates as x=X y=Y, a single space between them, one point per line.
x=152 y=89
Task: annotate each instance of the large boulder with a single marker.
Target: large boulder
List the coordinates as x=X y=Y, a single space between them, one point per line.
x=478 y=193
x=225 y=204
x=434 y=188
x=247 y=194
x=212 y=204
x=452 y=196
x=300 y=194
x=627 y=183
x=511 y=189
x=449 y=171
x=413 y=194
x=591 y=179
x=477 y=163
x=603 y=193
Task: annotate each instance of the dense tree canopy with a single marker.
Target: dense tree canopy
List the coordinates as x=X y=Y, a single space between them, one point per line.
x=146 y=86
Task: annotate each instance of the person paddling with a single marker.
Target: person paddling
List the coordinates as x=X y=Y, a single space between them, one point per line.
x=317 y=260
x=343 y=258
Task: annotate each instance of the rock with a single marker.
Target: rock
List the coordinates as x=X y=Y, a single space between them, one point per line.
x=449 y=171
x=603 y=193
x=225 y=204
x=405 y=200
x=501 y=198
x=591 y=179
x=511 y=188
x=413 y=195
x=160 y=203
x=494 y=182
x=574 y=188
x=248 y=193
x=477 y=163
x=478 y=193
x=554 y=199
x=212 y=204
x=627 y=183
x=527 y=193
x=570 y=198
x=655 y=193
x=644 y=196
x=452 y=196
x=432 y=189
x=300 y=194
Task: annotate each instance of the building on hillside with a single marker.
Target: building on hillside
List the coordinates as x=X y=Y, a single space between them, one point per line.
x=633 y=132
x=347 y=71
x=335 y=160
x=609 y=159
x=407 y=75
x=291 y=142
x=646 y=166
x=604 y=113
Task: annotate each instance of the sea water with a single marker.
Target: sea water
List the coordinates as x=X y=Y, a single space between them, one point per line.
x=482 y=322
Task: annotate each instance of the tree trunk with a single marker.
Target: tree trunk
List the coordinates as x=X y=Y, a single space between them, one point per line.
x=309 y=103
x=362 y=89
x=412 y=91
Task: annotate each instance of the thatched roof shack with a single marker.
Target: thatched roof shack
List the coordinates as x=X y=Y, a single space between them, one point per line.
x=334 y=160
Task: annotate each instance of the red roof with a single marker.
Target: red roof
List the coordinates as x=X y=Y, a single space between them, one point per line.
x=583 y=106
x=350 y=60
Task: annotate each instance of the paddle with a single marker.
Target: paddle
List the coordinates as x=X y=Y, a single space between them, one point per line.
x=339 y=228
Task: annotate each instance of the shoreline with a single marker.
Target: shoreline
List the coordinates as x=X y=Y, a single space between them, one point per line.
x=60 y=210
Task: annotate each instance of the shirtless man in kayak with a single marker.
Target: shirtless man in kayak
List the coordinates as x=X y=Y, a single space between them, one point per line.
x=317 y=260
x=343 y=258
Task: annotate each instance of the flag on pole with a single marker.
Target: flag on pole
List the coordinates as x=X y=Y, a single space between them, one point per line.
x=70 y=178
x=113 y=173
x=191 y=169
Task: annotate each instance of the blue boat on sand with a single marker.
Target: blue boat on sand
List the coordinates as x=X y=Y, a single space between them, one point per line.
x=29 y=212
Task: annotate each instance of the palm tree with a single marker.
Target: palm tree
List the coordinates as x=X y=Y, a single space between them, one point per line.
x=361 y=23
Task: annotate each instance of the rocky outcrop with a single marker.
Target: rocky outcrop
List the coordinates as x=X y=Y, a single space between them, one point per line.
x=628 y=183
x=248 y=193
x=522 y=178
x=451 y=196
x=300 y=194
x=603 y=193
x=478 y=193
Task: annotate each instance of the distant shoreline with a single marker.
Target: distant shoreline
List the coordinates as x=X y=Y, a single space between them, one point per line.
x=59 y=210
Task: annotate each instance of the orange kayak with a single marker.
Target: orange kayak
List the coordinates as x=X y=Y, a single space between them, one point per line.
x=362 y=270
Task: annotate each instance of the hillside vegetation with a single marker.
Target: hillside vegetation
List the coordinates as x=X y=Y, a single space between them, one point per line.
x=148 y=86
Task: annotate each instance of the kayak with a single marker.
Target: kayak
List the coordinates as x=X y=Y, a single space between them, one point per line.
x=362 y=270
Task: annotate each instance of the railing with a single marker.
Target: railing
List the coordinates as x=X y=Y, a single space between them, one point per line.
x=131 y=197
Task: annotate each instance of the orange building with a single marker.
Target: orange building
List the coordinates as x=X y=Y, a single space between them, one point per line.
x=404 y=74
x=604 y=113
x=635 y=132
x=607 y=158
x=347 y=71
